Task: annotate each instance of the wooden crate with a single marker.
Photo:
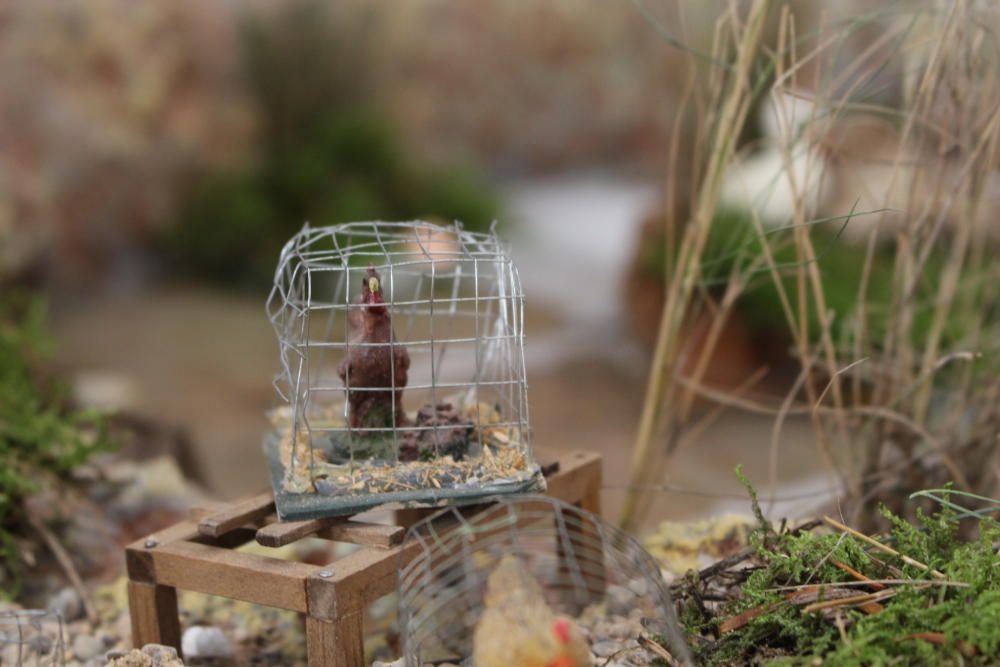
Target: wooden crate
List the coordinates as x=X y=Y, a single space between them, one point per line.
x=199 y=555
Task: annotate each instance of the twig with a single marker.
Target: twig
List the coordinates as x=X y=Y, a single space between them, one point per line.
x=854 y=573
x=878 y=545
x=887 y=582
x=63 y=557
x=741 y=555
x=941 y=639
x=854 y=600
x=648 y=644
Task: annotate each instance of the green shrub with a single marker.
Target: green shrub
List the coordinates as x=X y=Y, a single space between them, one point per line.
x=733 y=240
x=324 y=155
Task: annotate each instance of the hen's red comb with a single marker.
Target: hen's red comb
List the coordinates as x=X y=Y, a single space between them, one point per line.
x=561 y=630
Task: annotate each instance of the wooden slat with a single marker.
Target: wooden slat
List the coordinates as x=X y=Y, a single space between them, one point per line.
x=236 y=515
x=357 y=580
x=339 y=529
x=153 y=610
x=198 y=567
x=578 y=479
x=364 y=533
x=285 y=532
x=139 y=558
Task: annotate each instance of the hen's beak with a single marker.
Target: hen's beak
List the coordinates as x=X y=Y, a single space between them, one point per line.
x=373 y=285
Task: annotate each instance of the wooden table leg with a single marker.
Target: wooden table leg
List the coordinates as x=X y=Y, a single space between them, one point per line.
x=339 y=643
x=153 y=609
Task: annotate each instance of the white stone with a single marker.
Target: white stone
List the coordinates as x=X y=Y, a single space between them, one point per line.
x=204 y=641
x=86 y=647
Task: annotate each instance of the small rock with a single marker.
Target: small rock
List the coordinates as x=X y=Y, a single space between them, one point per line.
x=619 y=600
x=162 y=656
x=66 y=603
x=205 y=641
x=622 y=630
x=325 y=486
x=39 y=644
x=606 y=648
x=394 y=663
x=639 y=586
x=137 y=658
x=86 y=647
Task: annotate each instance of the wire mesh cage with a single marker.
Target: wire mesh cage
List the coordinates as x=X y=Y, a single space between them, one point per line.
x=402 y=369
x=31 y=638
x=529 y=574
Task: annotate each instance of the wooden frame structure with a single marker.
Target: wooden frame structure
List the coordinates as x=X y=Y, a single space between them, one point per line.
x=200 y=555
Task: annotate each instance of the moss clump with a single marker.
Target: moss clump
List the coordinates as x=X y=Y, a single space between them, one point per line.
x=39 y=438
x=758 y=620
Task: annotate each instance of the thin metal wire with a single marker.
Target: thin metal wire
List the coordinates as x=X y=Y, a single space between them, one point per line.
x=456 y=304
x=576 y=558
x=31 y=638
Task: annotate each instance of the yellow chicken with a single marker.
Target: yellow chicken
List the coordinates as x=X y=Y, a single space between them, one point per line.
x=518 y=629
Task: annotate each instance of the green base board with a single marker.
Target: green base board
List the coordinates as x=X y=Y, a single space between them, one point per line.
x=301 y=506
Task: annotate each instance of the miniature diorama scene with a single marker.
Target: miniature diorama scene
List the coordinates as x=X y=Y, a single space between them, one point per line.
x=547 y=333
x=403 y=370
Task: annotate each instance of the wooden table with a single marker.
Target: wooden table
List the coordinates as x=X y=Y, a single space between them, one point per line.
x=200 y=555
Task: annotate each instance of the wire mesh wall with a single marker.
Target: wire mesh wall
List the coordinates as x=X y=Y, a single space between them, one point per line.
x=529 y=571
x=31 y=638
x=402 y=368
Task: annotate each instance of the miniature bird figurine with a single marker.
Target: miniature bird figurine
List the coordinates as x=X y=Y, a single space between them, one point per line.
x=374 y=370
x=518 y=629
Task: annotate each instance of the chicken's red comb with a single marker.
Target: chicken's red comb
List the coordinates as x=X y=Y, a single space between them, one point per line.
x=561 y=630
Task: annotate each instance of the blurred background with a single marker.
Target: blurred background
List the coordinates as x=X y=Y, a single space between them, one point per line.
x=154 y=157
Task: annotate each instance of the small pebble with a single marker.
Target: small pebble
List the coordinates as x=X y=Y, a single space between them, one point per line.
x=394 y=663
x=86 y=647
x=622 y=630
x=619 y=600
x=160 y=654
x=638 y=586
x=604 y=649
x=66 y=603
x=205 y=641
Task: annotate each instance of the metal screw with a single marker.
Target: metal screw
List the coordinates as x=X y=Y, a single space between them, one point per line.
x=150 y=543
x=326 y=574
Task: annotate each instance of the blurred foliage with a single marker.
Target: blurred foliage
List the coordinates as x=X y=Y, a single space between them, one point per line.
x=39 y=437
x=734 y=243
x=325 y=154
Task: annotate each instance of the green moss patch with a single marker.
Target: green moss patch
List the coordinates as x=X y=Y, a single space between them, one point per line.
x=800 y=596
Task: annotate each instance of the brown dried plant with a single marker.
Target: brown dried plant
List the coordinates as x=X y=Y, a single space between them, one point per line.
x=902 y=392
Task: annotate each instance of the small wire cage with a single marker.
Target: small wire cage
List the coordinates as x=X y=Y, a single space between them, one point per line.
x=31 y=638
x=585 y=569
x=402 y=369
